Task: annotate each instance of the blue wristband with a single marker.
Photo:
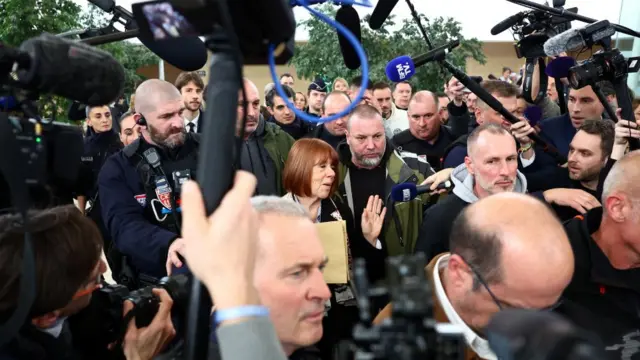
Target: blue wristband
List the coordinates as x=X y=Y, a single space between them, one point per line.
x=240 y=312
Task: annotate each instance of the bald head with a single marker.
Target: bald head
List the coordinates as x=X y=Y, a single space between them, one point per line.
x=510 y=236
x=623 y=177
x=154 y=92
x=425 y=97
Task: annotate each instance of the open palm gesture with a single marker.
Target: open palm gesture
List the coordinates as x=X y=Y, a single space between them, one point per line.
x=372 y=219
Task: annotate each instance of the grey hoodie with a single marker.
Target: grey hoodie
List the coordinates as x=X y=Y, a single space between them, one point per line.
x=464 y=182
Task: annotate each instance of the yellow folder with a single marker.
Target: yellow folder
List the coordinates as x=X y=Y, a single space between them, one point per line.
x=334 y=240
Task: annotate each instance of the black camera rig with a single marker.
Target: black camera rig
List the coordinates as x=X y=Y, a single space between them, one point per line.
x=410 y=333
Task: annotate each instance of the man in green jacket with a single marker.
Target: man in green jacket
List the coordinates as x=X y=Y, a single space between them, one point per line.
x=266 y=146
x=369 y=165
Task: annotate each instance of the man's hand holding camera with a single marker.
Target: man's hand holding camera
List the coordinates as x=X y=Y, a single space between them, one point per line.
x=147 y=342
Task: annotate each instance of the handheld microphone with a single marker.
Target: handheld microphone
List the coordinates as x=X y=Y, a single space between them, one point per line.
x=408 y=191
x=533 y=114
x=7 y=103
x=381 y=13
x=507 y=23
x=185 y=53
x=576 y=39
x=559 y=67
x=72 y=70
x=349 y=18
x=403 y=68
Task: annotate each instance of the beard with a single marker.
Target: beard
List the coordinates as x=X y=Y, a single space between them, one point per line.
x=585 y=174
x=369 y=161
x=495 y=189
x=171 y=139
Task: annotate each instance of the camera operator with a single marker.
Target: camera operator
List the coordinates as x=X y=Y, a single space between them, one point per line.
x=66 y=247
x=582 y=104
x=604 y=293
x=138 y=186
x=501 y=257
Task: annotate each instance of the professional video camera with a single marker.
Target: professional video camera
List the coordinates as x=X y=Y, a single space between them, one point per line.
x=532 y=28
x=411 y=332
x=42 y=148
x=36 y=152
x=606 y=64
x=102 y=323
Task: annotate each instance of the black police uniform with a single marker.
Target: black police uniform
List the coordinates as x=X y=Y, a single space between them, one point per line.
x=97 y=148
x=405 y=141
x=140 y=202
x=600 y=298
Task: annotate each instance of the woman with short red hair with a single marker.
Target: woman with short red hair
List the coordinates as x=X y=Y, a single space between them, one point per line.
x=309 y=178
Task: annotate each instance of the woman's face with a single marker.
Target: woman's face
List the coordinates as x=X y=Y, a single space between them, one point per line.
x=340 y=86
x=322 y=179
x=301 y=102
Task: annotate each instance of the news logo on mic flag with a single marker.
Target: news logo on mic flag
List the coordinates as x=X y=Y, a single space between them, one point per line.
x=400 y=69
x=406 y=195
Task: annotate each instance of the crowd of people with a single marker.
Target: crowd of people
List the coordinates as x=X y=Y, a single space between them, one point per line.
x=515 y=230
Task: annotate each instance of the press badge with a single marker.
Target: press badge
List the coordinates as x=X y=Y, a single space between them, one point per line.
x=163 y=191
x=344 y=295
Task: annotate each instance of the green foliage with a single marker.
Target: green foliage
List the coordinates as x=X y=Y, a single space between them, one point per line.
x=321 y=54
x=24 y=19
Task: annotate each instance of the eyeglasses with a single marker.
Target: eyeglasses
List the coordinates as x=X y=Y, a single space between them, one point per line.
x=501 y=303
x=92 y=286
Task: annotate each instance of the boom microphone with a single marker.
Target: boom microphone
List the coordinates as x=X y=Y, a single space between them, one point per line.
x=402 y=68
x=381 y=13
x=348 y=16
x=70 y=69
x=576 y=39
x=408 y=191
x=507 y=23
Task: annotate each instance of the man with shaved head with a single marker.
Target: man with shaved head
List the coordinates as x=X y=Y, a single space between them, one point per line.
x=266 y=146
x=140 y=186
x=490 y=167
x=498 y=262
x=604 y=295
x=426 y=136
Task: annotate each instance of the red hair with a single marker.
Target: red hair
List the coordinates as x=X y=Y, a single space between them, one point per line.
x=303 y=156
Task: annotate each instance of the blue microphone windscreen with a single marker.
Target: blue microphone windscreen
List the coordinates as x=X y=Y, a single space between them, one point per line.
x=559 y=67
x=533 y=114
x=404 y=192
x=7 y=103
x=400 y=69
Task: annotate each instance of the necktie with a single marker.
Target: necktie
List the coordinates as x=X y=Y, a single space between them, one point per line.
x=191 y=127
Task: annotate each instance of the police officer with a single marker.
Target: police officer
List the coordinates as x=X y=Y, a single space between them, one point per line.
x=140 y=186
x=100 y=143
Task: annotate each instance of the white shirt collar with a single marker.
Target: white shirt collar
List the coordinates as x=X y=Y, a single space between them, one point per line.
x=479 y=345
x=194 y=121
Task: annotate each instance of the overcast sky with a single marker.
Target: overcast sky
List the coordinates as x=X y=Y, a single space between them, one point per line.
x=476 y=16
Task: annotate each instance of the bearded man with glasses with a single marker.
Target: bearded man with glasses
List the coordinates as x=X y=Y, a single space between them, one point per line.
x=508 y=250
